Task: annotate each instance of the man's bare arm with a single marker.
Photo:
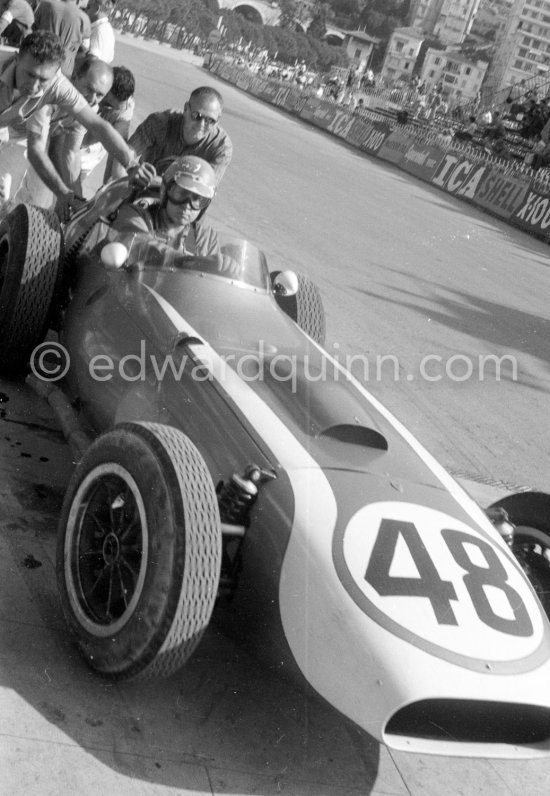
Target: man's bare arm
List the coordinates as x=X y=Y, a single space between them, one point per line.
x=107 y=135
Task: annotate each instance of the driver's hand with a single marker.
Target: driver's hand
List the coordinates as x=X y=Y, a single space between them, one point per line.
x=142 y=176
x=67 y=203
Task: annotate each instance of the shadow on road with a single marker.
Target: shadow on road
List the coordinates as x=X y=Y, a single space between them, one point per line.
x=223 y=724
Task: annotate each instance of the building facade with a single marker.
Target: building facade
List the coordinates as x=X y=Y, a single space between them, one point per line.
x=449 y=20
x=459 y=78
x=359 y=47
x=401 y=54
x=423 y=14
x=491 y=19
x=455 y=20
x=523 y=48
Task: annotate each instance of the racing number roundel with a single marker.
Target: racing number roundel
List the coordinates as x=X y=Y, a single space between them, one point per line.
x=442 y=580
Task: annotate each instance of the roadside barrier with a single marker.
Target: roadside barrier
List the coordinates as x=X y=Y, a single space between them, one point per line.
x=508 y=189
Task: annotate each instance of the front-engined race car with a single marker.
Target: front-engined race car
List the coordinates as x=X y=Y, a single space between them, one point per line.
x=237 y=471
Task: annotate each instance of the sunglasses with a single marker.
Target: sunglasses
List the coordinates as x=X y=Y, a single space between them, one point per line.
x=193 y=200
x=200 y=117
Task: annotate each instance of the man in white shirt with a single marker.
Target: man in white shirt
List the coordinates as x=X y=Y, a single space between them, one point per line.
x=102 y=39
x=16 y=21
x=28 y=82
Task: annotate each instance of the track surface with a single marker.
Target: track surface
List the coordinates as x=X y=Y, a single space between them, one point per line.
x=406 y=272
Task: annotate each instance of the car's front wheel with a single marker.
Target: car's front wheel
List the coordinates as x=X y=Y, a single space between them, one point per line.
x=530 y=513
x=139 y=551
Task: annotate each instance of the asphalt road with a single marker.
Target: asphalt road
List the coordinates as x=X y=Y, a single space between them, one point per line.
x=405 y=272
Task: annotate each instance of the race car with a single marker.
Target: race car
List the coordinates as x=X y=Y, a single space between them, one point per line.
x=232 y=471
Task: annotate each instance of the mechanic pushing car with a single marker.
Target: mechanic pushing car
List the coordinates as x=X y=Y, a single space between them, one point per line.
x=187 y=188
x=196 y=131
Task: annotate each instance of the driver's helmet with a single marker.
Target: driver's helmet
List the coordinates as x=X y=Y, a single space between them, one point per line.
x=191 y=173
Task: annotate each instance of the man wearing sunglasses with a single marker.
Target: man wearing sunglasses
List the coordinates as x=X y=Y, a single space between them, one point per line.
x=187 y=188
x=194 y=131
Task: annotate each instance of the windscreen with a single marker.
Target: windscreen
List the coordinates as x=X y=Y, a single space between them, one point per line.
x=229 y=258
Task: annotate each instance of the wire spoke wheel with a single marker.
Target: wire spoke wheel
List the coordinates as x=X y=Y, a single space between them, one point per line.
x=106 y=548
x=139 y=551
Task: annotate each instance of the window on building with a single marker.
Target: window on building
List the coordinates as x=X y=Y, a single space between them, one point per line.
x=357 y=53
x=468 y=70
x=399 y=46
x=407 y=64
x=437 y=61
x=522 y=52
x=432 y=73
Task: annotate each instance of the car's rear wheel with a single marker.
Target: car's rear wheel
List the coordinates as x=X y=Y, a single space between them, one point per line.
x=305 y=307
x=530 y=513
x=30 y=256
x=139 y=551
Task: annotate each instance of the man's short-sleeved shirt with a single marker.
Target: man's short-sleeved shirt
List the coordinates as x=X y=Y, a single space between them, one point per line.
x=56 y=120
x=161 y=136
x=17 y=112
x=19 y=17
x=68 y=22
x=195 y=238
x=102 y=40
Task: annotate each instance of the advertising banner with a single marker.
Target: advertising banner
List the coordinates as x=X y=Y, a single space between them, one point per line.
x=320 y=113
x=257 y=85
x=395 y=146
x=534 y=212
x=311 y=104
x=280 y=97
x=341 y=123
x=269 y=91
x=243 y=80
x=367 y=135
x=296 y=102
x=422 y=160
x=459 y=175
x=501 y=193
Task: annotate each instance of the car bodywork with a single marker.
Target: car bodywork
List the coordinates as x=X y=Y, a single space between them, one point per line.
x=361 y=565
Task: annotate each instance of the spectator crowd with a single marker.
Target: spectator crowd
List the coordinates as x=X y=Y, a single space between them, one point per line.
x=69 y=108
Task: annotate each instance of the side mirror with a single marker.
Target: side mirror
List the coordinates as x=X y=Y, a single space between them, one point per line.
x=285 y=284
x=114 y=255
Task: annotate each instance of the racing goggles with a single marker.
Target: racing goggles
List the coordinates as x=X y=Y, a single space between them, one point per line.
x=200 y=117
x=180 y=197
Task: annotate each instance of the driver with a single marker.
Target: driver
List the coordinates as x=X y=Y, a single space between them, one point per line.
x=187 y=188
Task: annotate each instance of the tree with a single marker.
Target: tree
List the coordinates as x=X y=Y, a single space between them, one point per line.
x=289 y=13
x=318 y=26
